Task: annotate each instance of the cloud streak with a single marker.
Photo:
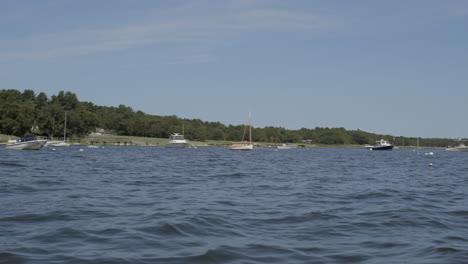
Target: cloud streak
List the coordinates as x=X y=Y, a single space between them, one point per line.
x=197 y=28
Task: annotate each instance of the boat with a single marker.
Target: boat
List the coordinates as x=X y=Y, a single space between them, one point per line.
x=58 y=144
x=460 y=148
x=27 y=143
x=177 y=140
x=244 y=145
x=381 y=145
x=61 y=143
x=287 y=146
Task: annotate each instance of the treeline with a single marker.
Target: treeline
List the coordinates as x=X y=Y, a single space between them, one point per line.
x=23 y=113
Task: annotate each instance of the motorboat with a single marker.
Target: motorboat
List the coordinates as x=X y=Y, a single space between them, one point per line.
x=27 y=143
x=287 y=146
x=381 y=145
x=460 y=148
x=177 y=140
x=244 y=145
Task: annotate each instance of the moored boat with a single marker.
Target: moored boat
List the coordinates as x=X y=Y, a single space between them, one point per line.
x=62 y=143
x=26 y=143
x=177 y=140
x=59 y=144
x=460 y=148
x=381 y=145
x=244 y=145
x=287 y=146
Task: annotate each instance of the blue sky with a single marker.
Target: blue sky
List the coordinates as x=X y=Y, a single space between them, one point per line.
x=392 y=67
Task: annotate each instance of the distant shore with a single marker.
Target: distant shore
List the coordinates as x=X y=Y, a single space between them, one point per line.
x=144 y=141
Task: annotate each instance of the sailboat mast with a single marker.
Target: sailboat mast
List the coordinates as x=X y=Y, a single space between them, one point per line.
x=250 y=128
x=418 y=145
x=65 y=128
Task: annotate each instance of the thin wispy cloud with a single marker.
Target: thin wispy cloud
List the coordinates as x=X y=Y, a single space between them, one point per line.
x=280 y=19
x=213 y=23
x=195 y=59
x=188 y=29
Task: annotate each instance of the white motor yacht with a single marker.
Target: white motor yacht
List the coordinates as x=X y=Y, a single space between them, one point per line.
x=177 y=140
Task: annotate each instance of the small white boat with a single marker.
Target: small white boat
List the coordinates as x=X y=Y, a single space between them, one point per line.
x=62 y=143
x=58 y=144
x=177 y=141
x=287 y=146
x=460 y=148
x=244 y=145
x=381 y=145
x=27 y=143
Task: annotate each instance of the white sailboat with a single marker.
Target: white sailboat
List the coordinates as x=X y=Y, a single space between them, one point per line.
x=63 y=143
x=244 y=145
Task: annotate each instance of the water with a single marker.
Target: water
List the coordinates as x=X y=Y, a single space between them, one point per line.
x=213 y=205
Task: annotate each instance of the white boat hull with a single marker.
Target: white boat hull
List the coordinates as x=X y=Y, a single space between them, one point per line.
x=244 y=147
x=457 y=149
x=59 y=144
x=177 y=141
x=177 y=145
x=27 y=145
x=285 y=146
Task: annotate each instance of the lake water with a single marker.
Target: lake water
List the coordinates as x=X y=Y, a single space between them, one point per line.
x=213 y=205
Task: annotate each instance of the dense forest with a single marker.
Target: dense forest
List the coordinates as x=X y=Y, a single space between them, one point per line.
x=23 y=113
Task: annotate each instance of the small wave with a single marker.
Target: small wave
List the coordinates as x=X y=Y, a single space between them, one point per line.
x=456 y=238
x=315 y=216
x=370 y=195
x=382 y=245
x=61 y=234
x=252 y=253
x=6 y=257
x=12 y=164
x=234 y=175
x=34 y=218
x=444 y=250
x=348 y=258
x=166 y=229
x=221 y=255
x=24 y=188
x=459 y=213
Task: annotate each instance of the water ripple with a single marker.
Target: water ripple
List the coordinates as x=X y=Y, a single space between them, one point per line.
x=211 y=205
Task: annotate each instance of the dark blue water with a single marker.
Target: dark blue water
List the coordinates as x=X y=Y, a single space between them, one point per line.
x=213 y=205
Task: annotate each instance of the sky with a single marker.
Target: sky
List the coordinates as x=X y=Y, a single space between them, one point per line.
x=395 y=67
